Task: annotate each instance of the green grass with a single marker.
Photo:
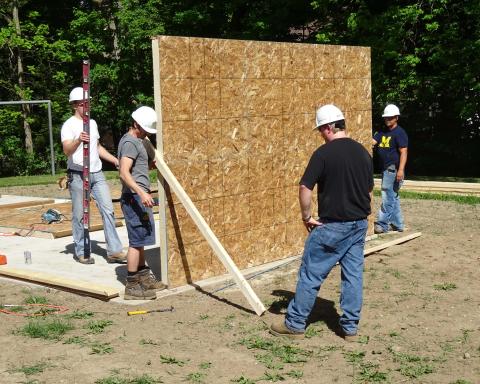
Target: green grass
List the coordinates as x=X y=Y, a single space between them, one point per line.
x=171 y=360
x=354 y=357
x=16 y=308
x=205 y=365
x=32 y=299
x=460 y=199
x=144 y=379
x=98 y=326
x=46 y=329
x=450 y=179
x=79 y=340
x=18 y=181
x=243 y=380
x=412 y=366
x=148 y=342
x=31 y=369
x=101 y=348
x=196 y=377
x=369 y=373
x=79 y=315
x=272 y=377
x=277 y=353
x=445 y=287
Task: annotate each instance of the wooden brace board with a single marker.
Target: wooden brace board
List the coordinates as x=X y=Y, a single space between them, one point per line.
x=217 y=247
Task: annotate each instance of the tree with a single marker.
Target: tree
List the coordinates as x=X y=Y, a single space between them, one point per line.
x=29 y=52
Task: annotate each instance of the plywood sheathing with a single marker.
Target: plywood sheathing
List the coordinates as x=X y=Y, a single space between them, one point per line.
x=27 y=221
x=237 y=119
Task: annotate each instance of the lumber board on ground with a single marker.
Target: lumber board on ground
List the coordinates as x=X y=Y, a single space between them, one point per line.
x=212 y=240
x=86 y=288
x=438 y=187
x=23 y=204
x=27 y=221
x=400 y=240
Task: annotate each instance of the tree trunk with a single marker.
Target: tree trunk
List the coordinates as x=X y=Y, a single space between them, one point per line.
x=21 y=85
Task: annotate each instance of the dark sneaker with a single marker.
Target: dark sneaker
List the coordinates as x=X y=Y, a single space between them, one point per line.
x=84 y=260
x=278 y=328
x=395 y=228
x=119 y=257
x=135 y=291
x=149 y=281
x=377 y=229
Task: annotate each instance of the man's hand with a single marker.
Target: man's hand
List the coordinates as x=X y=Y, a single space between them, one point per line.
x=147 y=199
x=84 y=137
x=311 y=223
x=400 y=175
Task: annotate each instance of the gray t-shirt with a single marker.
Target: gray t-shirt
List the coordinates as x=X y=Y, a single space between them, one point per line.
x=132 y=147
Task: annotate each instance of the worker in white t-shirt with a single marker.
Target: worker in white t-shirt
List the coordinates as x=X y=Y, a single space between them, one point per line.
x=73 y=137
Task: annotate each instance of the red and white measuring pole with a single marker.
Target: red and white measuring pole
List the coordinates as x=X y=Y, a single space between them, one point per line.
x=86 y=158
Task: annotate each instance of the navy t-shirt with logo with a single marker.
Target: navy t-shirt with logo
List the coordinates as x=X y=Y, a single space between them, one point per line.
x=388 y=144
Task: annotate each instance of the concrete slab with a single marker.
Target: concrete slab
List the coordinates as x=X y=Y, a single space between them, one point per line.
x=55 y=256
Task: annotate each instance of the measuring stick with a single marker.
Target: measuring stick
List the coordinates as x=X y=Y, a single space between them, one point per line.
x=86 y=159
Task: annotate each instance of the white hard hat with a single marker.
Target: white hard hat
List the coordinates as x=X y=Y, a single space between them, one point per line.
x=76 y=94
x=146 y=117
x=328 y=114
x=391 y=110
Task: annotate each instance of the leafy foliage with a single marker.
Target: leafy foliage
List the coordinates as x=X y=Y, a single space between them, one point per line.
x=424 y=58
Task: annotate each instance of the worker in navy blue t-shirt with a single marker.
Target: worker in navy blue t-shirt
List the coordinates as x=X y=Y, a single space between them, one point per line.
x=392 y=148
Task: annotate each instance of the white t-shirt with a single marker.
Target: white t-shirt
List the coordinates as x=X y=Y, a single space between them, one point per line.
x=71 y=130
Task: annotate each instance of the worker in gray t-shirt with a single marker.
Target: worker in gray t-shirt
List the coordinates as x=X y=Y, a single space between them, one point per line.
x=137 y=203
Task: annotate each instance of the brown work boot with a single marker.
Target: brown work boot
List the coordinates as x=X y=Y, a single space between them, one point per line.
x=149 y=281
x=84 y=260
x=119 y=257
x=134 y=290
x=350 y=338
x=278 y=328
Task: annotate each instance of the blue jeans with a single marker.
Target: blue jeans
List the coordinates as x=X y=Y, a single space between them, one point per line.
x=390 y=212
x=332 y=242
x=101 y=193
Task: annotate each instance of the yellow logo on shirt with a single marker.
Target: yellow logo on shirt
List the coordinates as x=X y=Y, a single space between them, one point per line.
x=385 y=142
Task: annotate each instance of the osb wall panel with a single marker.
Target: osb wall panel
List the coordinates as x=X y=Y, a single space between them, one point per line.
x=237 y=133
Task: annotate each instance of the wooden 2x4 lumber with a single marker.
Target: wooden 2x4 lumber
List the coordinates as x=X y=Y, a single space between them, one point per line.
x=23 y=204
x=400 y=240
x=212 y=240
x=87 y=288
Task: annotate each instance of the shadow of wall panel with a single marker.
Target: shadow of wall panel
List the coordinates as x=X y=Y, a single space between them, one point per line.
x=237 y=119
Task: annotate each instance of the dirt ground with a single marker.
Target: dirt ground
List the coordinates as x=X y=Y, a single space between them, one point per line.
x=420 y=323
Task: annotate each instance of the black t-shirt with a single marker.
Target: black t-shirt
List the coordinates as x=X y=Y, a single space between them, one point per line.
x=343 y=172
x=388 y=144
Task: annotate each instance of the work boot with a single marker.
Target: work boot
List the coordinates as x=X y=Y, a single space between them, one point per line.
x=377 y=229
x=84 y=260
x=119 y=257
x=149 y=281
x=134 y=290
x=278 y=328
x=350 y=338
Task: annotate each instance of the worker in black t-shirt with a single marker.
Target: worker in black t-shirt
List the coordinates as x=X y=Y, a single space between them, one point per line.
x=343 y=173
